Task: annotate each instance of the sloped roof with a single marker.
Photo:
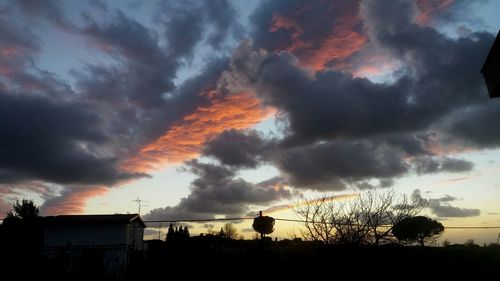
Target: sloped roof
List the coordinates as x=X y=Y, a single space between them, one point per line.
x=491 y=69
x=494 y=53
x=93 y=219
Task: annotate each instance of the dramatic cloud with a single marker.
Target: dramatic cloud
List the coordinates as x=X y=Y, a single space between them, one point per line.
x=443 y=209
x=45 y=140
x=10 y=193
x=184 y=141
x=393 y=128
x=364 y=93
x=329 y=166
x=72 y=200
x=238 y=149
x=321 y=35
x=218 y=190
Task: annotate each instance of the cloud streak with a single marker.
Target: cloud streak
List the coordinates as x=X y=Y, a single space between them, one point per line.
x=184 y=141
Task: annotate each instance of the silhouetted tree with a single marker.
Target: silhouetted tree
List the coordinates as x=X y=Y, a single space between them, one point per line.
x=229 y=231
x=22 y=232
x=366 y=218
x=418 y=229
x=263 y=225
x=470 y=243
x=177 y=234
x=26 y=211
x=170 y=233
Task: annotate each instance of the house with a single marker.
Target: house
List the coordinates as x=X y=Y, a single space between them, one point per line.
x=104 y=242
x=491 y=69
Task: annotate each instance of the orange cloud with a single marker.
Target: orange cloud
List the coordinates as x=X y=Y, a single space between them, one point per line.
x=335 y=49
x=428 y=9
x=73 y=202
x=184 y=140
x=282 y=22
x=454 y=180
x=374 y=65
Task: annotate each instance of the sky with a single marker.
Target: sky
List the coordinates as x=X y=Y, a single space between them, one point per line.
x=212 y=109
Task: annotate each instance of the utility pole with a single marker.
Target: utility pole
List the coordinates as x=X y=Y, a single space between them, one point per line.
x=139 y=203
x=159 y=231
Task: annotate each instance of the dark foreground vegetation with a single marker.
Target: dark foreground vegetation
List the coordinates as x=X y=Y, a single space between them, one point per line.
x=353 y=250
x=313 y=259
x=256 y=259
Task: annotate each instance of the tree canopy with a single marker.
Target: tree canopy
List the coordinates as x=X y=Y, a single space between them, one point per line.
x=229 y=231
x=418 y=229
x=263 y=225
x=26 y=210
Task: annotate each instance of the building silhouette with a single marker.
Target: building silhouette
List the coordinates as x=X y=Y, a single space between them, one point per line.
x=491 y=69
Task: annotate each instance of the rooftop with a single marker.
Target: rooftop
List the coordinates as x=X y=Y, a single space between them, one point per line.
x=91 y=219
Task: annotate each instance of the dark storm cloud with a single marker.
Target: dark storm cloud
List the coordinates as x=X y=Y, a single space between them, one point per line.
x=443 y=209
x=332 y=104
x=392 y=127
x=148 y=72
x=52 y=133
x=238 y=149
x=332 y=165
x=45 y=140
x=217 y=190
x=140 y=89
x=474 y=126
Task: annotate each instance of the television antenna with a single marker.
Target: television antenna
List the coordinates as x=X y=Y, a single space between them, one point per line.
x=139 y=204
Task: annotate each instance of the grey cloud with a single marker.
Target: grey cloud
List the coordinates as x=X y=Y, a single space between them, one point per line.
x=324 y=109
x=331 y=165
x=474 y=126
x=217 y=190
x=45 y=140
x=430 y=165
x=441 y=208
x=446 y=210
x=238 y=149
x=149 y=70
x=447 y=198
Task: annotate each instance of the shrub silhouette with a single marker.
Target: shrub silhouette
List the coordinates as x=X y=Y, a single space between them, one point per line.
x=263 y=225
x=418 y=229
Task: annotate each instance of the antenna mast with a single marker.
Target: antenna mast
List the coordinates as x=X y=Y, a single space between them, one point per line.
x=139 y=204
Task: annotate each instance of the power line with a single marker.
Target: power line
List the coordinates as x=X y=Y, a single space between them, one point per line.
x=290 y=220
x=198 y=220
x=299 y=221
